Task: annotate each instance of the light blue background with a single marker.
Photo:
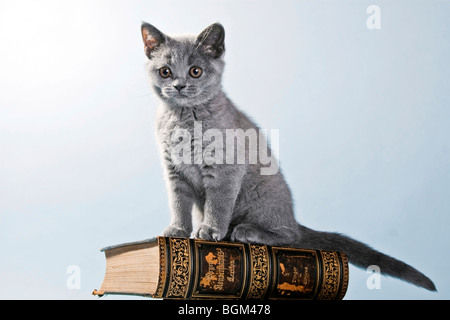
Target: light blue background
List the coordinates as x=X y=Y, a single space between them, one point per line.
x=363 y=118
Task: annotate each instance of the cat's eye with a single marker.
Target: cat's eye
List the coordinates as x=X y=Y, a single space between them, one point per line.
x=165 y=72
x=195 y=72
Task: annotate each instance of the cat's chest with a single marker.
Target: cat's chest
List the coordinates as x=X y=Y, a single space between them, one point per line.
x=180 y=133
x=180 y=137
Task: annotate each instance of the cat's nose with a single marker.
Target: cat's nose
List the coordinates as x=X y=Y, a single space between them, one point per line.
x=179 y=87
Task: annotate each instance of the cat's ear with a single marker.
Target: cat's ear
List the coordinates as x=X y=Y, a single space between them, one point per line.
x=152 y=38
x=211 y=40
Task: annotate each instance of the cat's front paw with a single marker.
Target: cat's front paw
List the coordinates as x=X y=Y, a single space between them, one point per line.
x=206 y=232
x=173 y=231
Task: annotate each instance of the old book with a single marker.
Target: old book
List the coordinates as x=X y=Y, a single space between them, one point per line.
x=182 y=268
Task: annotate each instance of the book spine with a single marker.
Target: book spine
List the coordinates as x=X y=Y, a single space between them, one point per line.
x=198 y=269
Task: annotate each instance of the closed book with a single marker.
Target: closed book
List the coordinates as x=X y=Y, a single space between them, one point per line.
x=185 y=268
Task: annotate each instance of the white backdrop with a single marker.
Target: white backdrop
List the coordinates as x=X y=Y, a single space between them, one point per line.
x=363 y=118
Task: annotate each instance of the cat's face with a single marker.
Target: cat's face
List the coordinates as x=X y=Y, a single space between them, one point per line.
x=185 y=71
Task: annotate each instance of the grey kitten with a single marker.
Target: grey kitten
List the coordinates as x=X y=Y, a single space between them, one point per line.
x=228 y=201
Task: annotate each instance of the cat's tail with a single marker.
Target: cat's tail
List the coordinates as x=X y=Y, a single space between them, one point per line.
x=363 y=256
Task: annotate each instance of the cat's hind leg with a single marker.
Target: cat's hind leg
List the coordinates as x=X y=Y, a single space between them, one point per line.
x=250 y=233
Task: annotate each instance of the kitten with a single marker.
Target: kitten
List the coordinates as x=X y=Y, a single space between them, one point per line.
x=227 y=201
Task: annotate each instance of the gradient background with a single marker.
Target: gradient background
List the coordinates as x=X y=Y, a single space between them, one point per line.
x=363 y=117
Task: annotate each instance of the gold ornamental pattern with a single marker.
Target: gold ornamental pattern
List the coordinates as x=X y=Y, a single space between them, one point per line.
x=162 y=267
x=179 y=275
x=259 y=272
x=345 y=276
x=331 y=273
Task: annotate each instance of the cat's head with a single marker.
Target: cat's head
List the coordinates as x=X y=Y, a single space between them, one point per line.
x=185 y=70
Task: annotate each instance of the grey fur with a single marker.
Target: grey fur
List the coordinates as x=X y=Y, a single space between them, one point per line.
x=229 y=201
